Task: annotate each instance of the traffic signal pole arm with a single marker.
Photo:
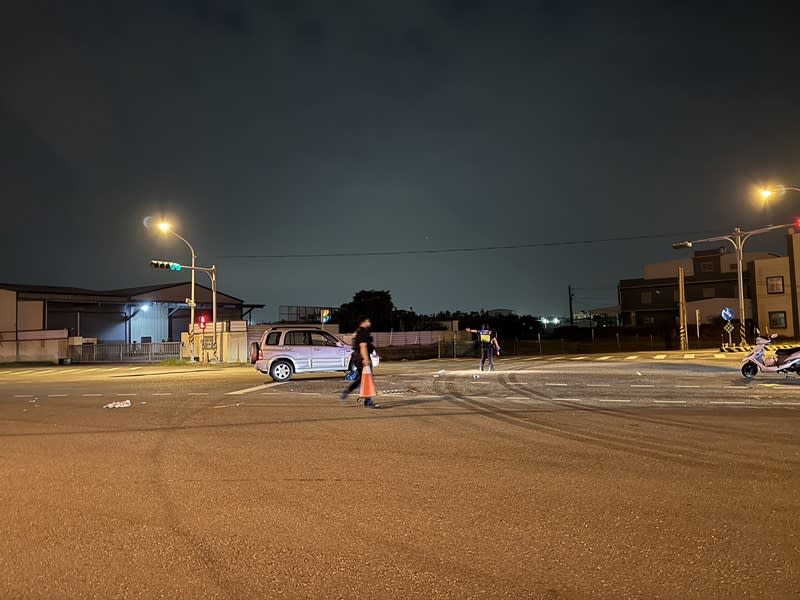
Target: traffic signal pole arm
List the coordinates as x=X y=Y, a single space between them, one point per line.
x=745 y=235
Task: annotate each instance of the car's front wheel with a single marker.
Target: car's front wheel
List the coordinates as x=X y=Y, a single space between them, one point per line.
x=281 y=370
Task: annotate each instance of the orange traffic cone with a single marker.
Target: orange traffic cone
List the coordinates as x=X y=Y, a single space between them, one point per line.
x=367 y=384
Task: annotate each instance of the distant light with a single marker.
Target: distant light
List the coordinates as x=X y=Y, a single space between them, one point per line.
x=145 y=307
x=765 y=193
x=164 y=226
x=556 y=321
x=545 y=321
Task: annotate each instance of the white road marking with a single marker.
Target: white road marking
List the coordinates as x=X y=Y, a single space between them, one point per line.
x=669 y=401
x=90 y=370
x=688 y=356
x=687 y=386
x=255 y=388
x=517 y=383
x=598 y=385
x=134 y=368
x=112 y=369
x=516 y=398
x=726 y=402
x=735 y=387
x=124 y=394
x=48 y=371
x=56 y=395
x=91 y=395
x=570 y=399
x=659 y=357
x=473 y=397
x=200 y=393
x=227 y=405
x=24 y=396
x=719 y=355
x=162 y=394
x=786 y=403
x=556 y=358
x=21 y=373
x=605 y=357
x=631 y=357
x=642 y=385
x=624 y=401
x=557 y=384
x=575 y=358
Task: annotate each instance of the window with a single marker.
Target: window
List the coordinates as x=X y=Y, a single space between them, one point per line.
x=647 y=297
x=708 y=292
x=298 y=338
x=322 y=339
x=777 y=320
x=775 y=284
x=706 y=267
x=273 y=338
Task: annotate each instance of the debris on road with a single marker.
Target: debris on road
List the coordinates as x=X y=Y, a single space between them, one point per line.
x=119 y=404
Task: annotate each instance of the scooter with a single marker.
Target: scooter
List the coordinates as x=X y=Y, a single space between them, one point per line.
x=785 y=360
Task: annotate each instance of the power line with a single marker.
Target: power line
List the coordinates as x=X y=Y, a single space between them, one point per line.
x=629 y=238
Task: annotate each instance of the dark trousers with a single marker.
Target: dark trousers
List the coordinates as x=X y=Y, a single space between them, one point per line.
x=487 y=354
x=356 y=383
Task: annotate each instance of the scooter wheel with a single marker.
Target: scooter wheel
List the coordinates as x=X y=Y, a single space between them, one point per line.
x=749 y=370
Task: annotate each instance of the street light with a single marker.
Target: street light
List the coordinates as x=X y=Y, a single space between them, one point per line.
x=167 y=228
x=738 y=239
x=767 y=192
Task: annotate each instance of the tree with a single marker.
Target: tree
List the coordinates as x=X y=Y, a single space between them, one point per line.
x=375 y=304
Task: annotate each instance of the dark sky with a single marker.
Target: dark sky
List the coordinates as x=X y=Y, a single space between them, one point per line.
x=296 y=127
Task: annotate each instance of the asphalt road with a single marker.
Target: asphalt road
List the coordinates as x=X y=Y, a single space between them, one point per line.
x=612 y=478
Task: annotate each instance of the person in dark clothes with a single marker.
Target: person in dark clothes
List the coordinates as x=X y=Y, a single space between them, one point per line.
x=362 y=349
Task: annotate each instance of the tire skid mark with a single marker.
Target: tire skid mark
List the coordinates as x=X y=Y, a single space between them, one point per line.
x=607 y=442
x=679 y=424
x=706 y=456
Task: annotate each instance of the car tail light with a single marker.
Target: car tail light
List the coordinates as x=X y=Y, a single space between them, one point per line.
x=260 y=354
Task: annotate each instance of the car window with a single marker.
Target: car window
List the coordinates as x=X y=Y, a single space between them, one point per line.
x=273 y=338
x=322 y=339
x=298 y=338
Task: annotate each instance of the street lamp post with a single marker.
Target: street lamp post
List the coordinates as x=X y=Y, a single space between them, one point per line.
x=165 y=228
x=737 y=239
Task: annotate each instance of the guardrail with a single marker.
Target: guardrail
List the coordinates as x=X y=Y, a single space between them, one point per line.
x=147 y=352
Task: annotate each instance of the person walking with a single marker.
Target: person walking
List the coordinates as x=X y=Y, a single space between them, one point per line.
x=489 y=345
x=362 y=349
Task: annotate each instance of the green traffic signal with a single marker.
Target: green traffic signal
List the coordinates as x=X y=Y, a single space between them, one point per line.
x=165 y=264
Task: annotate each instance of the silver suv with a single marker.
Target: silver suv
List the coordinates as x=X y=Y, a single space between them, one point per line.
x=284 y=351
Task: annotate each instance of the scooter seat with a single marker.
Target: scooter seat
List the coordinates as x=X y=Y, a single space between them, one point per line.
x=786 y=351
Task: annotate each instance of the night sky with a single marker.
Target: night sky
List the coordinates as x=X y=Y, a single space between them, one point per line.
x=320 y=127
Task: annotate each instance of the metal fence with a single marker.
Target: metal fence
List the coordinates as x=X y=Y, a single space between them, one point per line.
x=148 y=352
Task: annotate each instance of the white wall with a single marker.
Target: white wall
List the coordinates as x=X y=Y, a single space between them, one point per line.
x=152 y=323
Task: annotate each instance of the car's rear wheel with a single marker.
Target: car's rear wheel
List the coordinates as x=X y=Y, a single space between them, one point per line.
x=281 y=370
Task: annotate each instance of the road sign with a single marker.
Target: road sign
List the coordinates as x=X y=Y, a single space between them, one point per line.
x=728 y=327
x=728 y=314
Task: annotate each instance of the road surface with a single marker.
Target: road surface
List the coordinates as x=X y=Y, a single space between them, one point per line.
x=550 y=479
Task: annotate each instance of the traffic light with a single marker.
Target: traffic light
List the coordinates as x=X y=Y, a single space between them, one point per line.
x=203 y=322
x=165 y=264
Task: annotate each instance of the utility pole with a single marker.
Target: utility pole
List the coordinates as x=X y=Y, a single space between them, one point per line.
x=682 y=310
x=571 y=312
